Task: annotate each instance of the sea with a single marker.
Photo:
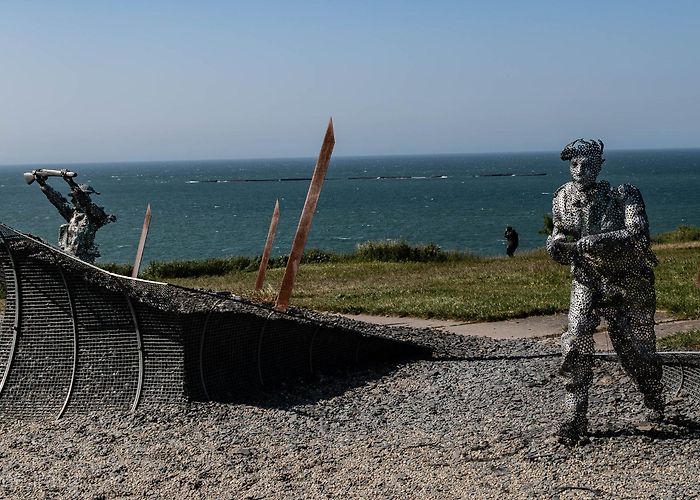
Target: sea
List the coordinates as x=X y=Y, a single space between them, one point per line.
x=222 y=208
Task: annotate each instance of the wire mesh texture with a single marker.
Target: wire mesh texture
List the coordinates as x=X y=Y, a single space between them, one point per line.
x=681 y=371
x=76 y=338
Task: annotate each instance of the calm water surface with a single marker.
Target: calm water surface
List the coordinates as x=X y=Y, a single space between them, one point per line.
x=460 y=202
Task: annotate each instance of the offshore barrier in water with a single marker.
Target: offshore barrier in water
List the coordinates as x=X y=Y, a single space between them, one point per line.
x=76 y=338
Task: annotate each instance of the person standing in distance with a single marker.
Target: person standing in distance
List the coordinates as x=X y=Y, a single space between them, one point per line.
x=511 y=236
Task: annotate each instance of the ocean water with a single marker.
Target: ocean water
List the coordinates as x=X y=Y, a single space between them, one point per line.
x=460 y=202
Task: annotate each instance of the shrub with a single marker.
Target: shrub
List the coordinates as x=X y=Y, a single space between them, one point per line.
x=547 y=225
x=398 y=251
x=194 y=268
x=316 y=256
x=680 y=235
x=113 y=267
x=382 y=251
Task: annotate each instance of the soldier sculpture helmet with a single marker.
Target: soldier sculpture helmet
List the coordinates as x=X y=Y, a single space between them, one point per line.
x=590 y=149
x=87 y=189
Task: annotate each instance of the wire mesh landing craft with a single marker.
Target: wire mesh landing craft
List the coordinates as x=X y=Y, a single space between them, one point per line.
x=75 y=338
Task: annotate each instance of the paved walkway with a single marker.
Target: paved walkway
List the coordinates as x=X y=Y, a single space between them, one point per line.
x=532 y=327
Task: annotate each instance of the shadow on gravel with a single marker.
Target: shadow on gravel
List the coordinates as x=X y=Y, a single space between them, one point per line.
x=312 y=389
x=676 y=427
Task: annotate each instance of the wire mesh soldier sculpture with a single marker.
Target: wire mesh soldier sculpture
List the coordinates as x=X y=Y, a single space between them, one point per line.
x=82 y=215
x=603 y=233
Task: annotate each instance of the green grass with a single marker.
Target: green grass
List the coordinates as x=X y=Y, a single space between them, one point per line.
x=471 y=289
x=680 y=341
x=679 y=235
x=385 y=279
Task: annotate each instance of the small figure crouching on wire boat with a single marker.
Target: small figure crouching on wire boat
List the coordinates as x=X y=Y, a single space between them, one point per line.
x=603 y=233
x=82 y=215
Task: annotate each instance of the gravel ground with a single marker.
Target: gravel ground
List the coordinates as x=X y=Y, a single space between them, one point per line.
x=474 y=422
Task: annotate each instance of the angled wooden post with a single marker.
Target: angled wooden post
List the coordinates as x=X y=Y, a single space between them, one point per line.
x=268 y=247
x=142 y=242
x=307 y=215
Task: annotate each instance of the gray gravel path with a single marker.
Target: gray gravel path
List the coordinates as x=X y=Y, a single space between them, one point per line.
x=474 y=422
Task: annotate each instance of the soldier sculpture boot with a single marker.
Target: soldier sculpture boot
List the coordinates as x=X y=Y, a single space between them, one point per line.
x=573 y=430
x=654 y=401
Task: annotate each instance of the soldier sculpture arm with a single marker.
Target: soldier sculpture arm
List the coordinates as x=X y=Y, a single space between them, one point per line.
x=557 y=246
x=56 y=198
x=83 y=203
x=634 y=234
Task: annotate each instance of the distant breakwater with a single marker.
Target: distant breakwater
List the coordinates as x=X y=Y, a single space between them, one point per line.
x=364 y=178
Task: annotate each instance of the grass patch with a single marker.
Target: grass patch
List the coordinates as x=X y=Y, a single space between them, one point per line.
x=392 y=278
x=680 y=235
x=468 y=289
x=372 y=251
x=681 y=341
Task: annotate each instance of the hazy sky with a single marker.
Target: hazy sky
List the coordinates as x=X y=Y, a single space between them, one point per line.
x=159 y=80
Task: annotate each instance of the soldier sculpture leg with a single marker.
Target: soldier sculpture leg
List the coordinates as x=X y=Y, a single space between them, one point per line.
x=632 y=335
x=577 y=349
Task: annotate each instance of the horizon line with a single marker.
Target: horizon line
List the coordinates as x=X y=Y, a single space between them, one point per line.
x=350 y=156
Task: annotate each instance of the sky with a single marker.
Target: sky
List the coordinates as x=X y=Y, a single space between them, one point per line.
x=168 y=80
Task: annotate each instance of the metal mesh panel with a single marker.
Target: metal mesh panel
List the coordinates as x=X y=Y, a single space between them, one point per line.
x=43 y=361
x=373 y=350
x=228 y=354
x=108 y=362
x=7 y=334
x=681 y=375
x=163 y=377
x=332 y=349
x=285 y=350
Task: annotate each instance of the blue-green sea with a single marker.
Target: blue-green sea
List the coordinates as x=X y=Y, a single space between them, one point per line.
x=459 y=202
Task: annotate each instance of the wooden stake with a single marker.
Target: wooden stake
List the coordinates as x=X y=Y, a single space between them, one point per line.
x=307 y=215
x=142 y=242
x=268 y=247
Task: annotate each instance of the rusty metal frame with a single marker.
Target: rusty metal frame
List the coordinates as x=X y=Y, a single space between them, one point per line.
x=16 y=324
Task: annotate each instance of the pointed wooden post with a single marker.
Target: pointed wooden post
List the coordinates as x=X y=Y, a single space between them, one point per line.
x=268 y=247
x=142 y=242
x=307 y=215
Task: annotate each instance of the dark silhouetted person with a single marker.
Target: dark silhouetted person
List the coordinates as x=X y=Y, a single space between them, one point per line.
x=511 y=241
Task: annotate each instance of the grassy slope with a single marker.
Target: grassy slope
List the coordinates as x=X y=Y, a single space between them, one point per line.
x=681 y=341
x=475 y=290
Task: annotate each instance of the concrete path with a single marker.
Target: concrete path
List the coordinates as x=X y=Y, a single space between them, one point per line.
x=532 y=327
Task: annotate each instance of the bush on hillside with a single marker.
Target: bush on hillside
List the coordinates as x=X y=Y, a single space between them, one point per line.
x=398 y=251
x=680 y=235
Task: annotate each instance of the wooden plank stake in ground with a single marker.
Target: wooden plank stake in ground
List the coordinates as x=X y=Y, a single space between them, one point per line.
x=307 y=215
x=142 y=242
x=268 y=247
